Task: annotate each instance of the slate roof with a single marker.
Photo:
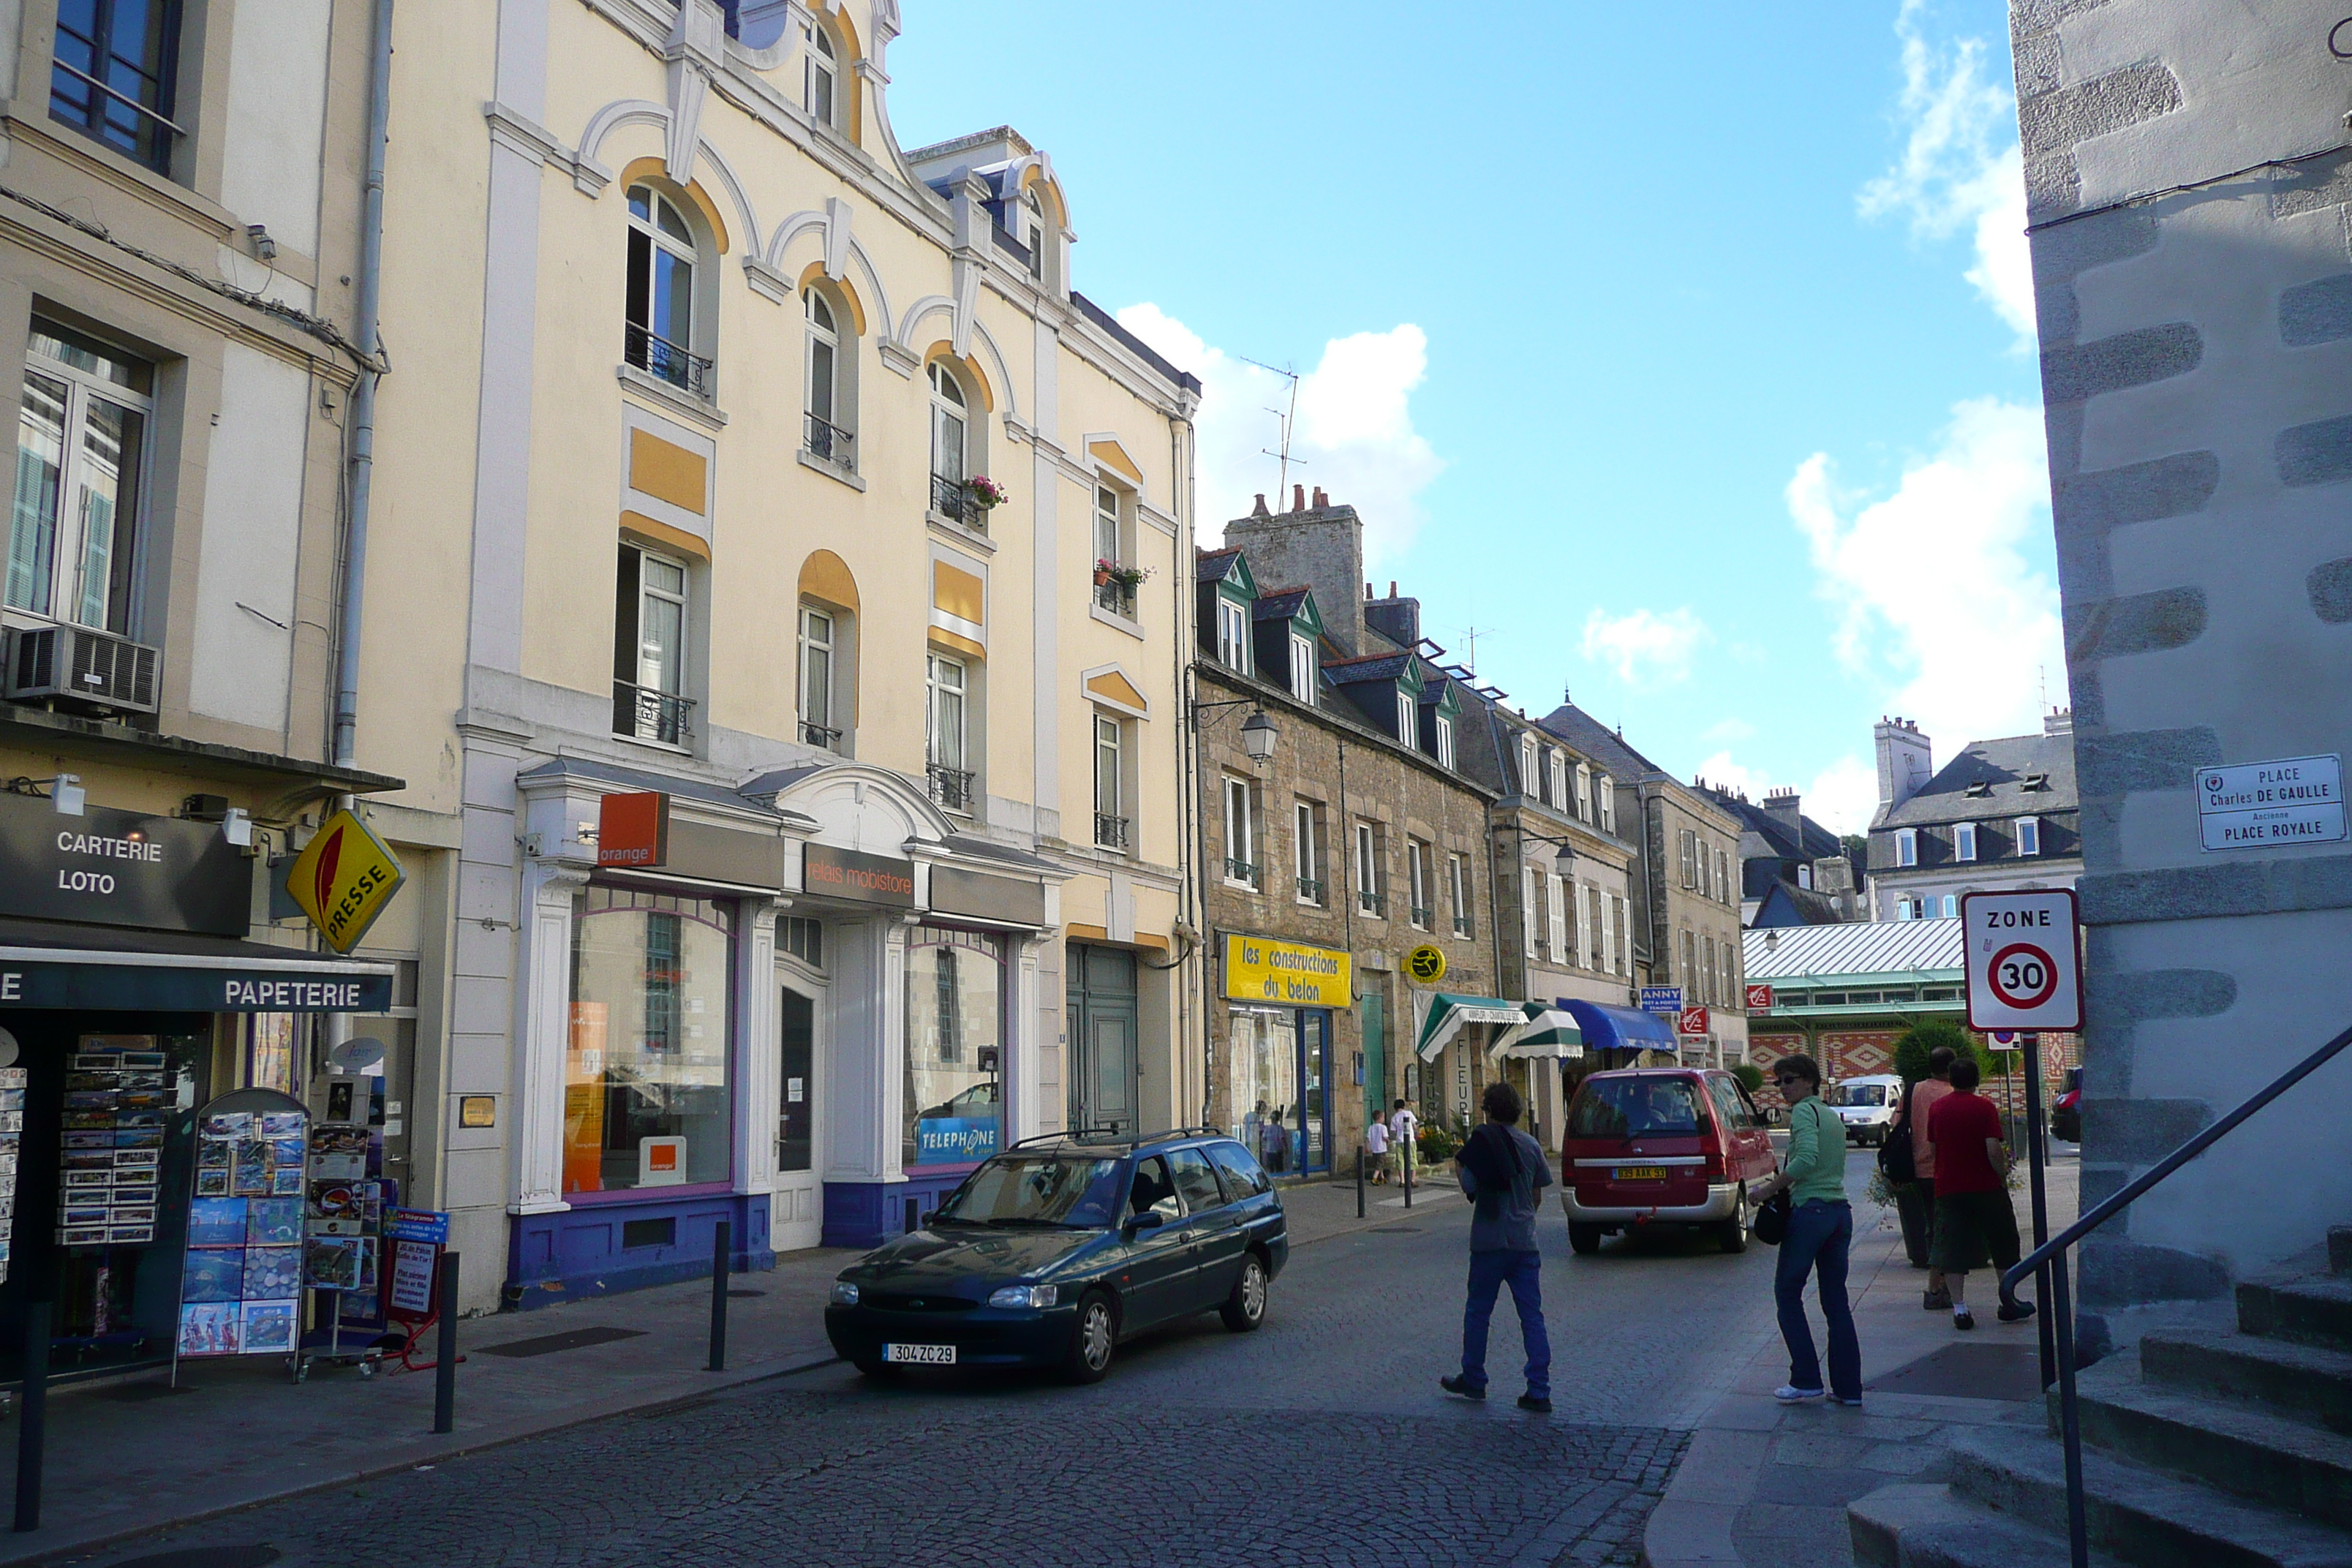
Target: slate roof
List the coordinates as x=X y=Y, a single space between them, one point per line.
x=1854 y=948
x=1278 y=605
x=1370 y=667
x=1597 y=741
x=1816 y=843
x=1210 y=565
x=2003 y=766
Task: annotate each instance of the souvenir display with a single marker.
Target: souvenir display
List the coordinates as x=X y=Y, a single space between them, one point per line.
x=113 y=1139
x=344 y=1218
x=241 y=1282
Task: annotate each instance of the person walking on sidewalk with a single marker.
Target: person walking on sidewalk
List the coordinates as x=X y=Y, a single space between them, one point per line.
x=1501 y=1170
x=1922 y=1191
x=1404 y=1133
x=1820 y=1237
x=1975 y=1221
x=1376 y=1144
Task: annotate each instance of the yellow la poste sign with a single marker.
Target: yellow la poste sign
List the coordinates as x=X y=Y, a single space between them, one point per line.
x=344 y=880
x=1290 y=973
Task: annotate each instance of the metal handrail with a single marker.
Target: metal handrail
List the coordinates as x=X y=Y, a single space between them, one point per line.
x=826 y=440
x=658 y=357
x=2050 y=1255
x=121 y=97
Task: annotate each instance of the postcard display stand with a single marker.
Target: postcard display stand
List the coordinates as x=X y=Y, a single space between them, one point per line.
x=241 y=1283
x=344 y=1240
x=117 y=1097
x=12 y=1133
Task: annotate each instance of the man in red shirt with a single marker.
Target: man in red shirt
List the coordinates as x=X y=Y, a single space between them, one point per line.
x=1924 y=1096
x=1975 y=1224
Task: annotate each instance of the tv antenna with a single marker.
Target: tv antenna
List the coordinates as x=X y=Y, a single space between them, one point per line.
x=1470 y=635
x=1284 y=419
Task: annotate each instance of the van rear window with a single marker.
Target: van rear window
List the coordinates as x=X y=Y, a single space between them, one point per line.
x=1856 y=1094
x=1633 y=1107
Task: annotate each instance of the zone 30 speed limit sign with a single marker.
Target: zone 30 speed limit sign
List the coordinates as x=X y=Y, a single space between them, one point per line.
x=2024 y=972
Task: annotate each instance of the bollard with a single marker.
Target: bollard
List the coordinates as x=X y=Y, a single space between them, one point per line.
x=1359 y=1181
x=445 y=1370
x=718 y=1298
x=1412 y=1157
x=33 y=1424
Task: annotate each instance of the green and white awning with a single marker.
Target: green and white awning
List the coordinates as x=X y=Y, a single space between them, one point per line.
x=1442 y=1016
x=1545 y=1033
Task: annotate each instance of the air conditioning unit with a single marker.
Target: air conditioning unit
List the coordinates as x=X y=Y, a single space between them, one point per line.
x=79 y=665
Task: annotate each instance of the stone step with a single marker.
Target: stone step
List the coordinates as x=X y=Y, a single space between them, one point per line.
x=2312 y=1382
x=2316 y=1309
x=2140 y=1514
x=1912 y=1525
x=2235 y=1447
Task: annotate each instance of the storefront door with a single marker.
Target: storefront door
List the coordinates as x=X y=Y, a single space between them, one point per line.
x=1315 y=1090
x=1105 y=1085
x=1371 y=1010
x=796 y=1216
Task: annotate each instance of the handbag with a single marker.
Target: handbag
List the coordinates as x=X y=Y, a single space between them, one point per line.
x=1772 y=1223
x=1897 y=1159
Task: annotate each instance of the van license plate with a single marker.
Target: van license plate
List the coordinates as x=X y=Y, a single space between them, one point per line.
x=1641 y=1172
x=920 y=1355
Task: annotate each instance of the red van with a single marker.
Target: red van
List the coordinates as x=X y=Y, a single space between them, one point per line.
x=1661 y=1146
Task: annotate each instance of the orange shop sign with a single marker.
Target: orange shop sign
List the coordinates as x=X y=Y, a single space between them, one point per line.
x=633 y=830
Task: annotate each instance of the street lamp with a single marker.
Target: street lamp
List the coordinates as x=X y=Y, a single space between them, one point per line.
x=1258 y=736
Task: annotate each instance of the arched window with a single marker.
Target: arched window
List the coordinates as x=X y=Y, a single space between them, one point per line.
x=659 y=336
x=828 y=436
x=951 y=447
x=1033 y=233
x=822 y=73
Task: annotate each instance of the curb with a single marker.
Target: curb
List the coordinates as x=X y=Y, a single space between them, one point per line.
x=25 y=1552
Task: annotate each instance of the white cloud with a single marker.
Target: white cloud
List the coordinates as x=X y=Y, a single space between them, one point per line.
x=1933 y=590
x=1722 y=771
x=1729 y=730
x=1643 y=647
x=1353 y=434
x=1959 y=168
x=1843 y=797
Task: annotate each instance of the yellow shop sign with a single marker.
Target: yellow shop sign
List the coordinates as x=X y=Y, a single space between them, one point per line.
x=343 y=879
x=1288 y=973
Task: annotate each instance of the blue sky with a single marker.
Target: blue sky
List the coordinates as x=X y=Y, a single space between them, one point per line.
x=1684 y=355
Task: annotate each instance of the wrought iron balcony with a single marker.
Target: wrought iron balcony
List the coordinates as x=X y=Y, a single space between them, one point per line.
x=1461 y=925
x=951 y=787
x=1373 y=903
x=1242 y=871
x=1116 y=596
x=830 y=443
x=643 y=713
x=1310 y=890
x=1424 y=916
x=951 y=498
x=658 y=356
x=820 y=735
x=1111 y=832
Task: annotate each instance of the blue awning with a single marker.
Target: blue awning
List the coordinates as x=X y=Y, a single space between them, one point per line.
x=1621 y=1028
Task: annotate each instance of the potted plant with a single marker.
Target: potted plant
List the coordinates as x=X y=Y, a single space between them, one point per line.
x=1103 y=569
x=1127 y=577
x=985 y=493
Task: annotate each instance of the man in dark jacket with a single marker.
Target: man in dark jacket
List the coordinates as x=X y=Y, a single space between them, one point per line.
x=1502 y=1168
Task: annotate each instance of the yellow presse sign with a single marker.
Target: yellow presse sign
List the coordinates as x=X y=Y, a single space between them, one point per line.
x=1425 y=963
x=343 y=879
x=1290 y=973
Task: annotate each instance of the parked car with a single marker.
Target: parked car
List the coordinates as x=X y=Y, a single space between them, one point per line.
x=2066 y=1111
x=1673 y=1146
x=1053 y=1252
x=1867 y=1106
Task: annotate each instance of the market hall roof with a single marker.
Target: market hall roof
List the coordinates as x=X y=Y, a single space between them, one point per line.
x=2017 y=775
x=1852 y=948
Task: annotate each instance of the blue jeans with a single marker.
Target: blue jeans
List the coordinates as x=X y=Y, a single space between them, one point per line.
x=1819 y=1235
x=1488 y=1273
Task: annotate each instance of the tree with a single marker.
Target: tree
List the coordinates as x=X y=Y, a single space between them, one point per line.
x=1911 y=1050
x=1750 y=1076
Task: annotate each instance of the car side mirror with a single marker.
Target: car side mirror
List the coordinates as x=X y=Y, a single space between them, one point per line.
x=1149 y=1220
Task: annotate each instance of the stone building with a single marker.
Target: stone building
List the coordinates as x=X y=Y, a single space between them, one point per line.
x=1792 y=870
x=1687 y=901
x=2001 y=815
x=1353 y=844
x=2188 y=184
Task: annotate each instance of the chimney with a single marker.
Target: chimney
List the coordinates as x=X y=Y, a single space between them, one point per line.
x=1322 y=550
x=1905 y=762
x=2058 y=721
x=1833 y=875
x=1395 y=617
x=1321 y=500
x=1781 y=805
x=1259 y=509
x=1298 y=498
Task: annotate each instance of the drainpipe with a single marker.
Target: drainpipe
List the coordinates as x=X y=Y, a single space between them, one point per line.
x=365 y=332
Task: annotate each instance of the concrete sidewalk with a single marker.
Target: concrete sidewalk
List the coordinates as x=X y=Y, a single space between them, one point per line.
x=1766 y=1485
x=133 y=1454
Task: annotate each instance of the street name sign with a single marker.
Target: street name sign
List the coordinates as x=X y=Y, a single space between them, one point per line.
x=2024 y=971
x=2259 y=805
x=1661 y=998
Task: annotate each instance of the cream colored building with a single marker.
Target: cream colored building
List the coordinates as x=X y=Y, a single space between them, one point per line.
x=694 y=367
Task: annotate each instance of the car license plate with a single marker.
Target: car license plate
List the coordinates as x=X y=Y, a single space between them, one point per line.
x=1641 y=1172
x=920 y=1355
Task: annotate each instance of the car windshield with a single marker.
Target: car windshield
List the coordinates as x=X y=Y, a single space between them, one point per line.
x=1633 y=1107
x=1037 y=1189
x=1857 y=1094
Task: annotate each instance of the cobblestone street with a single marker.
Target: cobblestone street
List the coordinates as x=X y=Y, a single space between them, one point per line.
x=1323 y=1438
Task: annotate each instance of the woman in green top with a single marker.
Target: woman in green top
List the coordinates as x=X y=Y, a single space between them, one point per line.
x=1821 y=1235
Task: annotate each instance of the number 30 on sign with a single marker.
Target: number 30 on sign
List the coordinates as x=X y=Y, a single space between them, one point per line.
x=2024 y=966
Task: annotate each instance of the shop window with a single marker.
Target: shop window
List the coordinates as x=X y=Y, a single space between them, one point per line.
x=112 y=77
x=74 y=531
x=659 y=333
x=955 y=1047
x=649 y=649
x=1263 y=1043
x=646 y=1086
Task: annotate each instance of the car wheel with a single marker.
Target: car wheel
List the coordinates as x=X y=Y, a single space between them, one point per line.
x=1731 y=1234
x=1092 y=1340
x=1244 y=1309
x=875 y=1370
x=1584 y=1240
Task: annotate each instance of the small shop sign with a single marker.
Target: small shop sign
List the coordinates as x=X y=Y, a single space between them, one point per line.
x=1664 y=999
x=633 y=830
x=941 y=1139
x=861 y=878
x=344 y=879
x=122 y=869
x=1260 y=969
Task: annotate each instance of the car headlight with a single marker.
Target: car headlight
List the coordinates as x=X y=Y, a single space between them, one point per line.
x=844 y=1294
x=1026 y=1296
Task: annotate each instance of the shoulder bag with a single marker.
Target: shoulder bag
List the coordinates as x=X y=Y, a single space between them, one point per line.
x=1771 y=1222
x=1895 y=1161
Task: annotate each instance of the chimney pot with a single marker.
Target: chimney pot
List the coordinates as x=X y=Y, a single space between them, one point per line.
x=1367 y=590
x=1392 y=592
x=1321 y=500
x=1259 y=509
x=1298 y=498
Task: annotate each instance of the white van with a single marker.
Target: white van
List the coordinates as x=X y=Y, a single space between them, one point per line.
x=1867 y=1106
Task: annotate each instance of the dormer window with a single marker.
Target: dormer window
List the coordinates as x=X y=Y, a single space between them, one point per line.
x=1556 y=781
x=1607 y=805
x=1583 y=792
x=2035 y=781
x=1979 y=789
x=1407 y=730
x=1964 y=841
x=1529 y=782
x=1906 y=846
x=1233 y=636
x=2029 y=836
x=1445 y=728
x=1033 y=234
x=1302 y=669
x=820 y=78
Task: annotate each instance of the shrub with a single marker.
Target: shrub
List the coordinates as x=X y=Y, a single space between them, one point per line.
x=1437 y=1143
x=1750 y=1076
x=1911 y=1050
